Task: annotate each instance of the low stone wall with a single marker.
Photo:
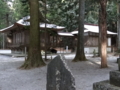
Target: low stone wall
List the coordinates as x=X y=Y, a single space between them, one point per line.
x=5 y=51
x=91 y=49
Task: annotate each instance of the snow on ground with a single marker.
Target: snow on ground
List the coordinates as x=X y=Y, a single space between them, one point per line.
x=85 y=73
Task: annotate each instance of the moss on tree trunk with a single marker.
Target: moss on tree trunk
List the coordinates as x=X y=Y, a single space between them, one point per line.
x=34 y=58
x=80 y=56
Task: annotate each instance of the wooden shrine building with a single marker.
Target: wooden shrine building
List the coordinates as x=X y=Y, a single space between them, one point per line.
x=91 y=38
x=17 y=35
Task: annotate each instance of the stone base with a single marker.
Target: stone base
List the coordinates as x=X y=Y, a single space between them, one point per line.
x=104 y=85
x=117 y=59
x=115 y=78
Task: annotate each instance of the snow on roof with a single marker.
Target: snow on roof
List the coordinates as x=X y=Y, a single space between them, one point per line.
x=109 y=32
x=24 y=21
x=65 y=34
x=42 y=25
x=92 y=28
x=6 y=28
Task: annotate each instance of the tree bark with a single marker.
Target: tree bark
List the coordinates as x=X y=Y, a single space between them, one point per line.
x=103 y=33
x=118 y=25
x=34 y=58
x=99 y=38
x=80 y=56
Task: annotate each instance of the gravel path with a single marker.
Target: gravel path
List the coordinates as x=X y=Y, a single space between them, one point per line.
x=85 y=73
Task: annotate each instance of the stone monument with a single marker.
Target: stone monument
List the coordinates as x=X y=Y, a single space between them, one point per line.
x=59 y=77
x=112 y=84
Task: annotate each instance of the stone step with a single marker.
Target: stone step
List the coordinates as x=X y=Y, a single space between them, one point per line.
x=104 y=85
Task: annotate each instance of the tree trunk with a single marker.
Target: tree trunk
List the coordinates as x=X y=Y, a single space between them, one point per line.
x=34 y=58
x=7 y=19
x=118 y=26
x=80 y=56
x=99 y=38
x=103 y=33
x=7 y=24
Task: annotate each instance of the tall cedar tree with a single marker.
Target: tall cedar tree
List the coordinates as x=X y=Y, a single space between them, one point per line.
x=99 y=39
x=118 y=24
x=80 y=55
x=34 y=58
x=103 y=32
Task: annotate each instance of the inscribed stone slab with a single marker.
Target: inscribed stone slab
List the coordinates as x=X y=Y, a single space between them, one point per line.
x=59 y=76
